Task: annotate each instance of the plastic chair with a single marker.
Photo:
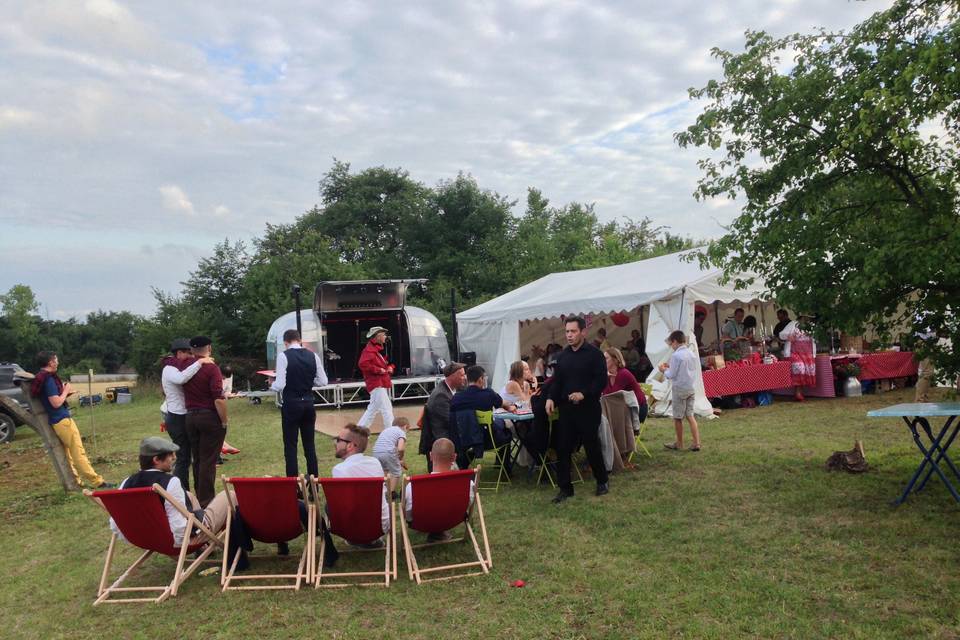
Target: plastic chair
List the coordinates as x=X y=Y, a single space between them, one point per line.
x=139 y=514
x=442 y=502
x=353 y=512
x=271 y=513
x=500 y=453
x=545 y=463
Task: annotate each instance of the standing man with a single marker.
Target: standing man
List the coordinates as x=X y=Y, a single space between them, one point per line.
x=681 y=371
x=52 y=393
x=299 y=370
x=376 y=375
x=178 y=369
x=437 y=413
x=733 y=329
x=579 y=378
x=206 y=420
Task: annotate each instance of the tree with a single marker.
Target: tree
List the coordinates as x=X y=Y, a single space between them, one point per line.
x=843 y=148
x=21 y=333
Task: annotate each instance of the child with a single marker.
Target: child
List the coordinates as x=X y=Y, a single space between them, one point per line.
x=389 y=449
x=681 y=370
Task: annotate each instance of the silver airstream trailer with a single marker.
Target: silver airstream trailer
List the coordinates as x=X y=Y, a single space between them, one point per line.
x=336 y=328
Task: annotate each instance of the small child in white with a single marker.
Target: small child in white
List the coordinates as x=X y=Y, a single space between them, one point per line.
x=389 y=449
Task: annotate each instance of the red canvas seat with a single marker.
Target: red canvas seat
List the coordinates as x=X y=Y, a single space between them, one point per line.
x=441 y=501
x=271 y=513
x=140 y=516
x=353 y=511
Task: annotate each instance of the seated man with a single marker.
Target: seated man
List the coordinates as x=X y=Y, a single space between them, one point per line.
x=157 y=457
x=442 y=456
x=477 y=397
x=349 y=446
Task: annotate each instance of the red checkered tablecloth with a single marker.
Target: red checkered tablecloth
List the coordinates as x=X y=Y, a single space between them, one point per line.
x=887 y=364
x=731 y=381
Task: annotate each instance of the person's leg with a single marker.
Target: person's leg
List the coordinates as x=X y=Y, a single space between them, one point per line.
x=678 y=430
x=212 y=434
x=924 y=374
x=69 y=435
x=589 y=429
x=371 y=411
x=694 y=430
x=193 y=438
x=566 y=439
x=65 y=434
x=308 y=431
x=177 y=428
x=290 y=426
x=215 y=513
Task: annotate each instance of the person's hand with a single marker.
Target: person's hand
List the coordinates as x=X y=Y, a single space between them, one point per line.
x=207 y=360
x=512 y=408
x=403 y=463
x=575 y=397
x=67 y=388
x=548 y=406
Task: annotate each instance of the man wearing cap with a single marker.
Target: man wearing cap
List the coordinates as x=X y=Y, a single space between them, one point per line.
x=299 y=370
x=376 y=375
x=179 y=368
x=206 y=420
x=436 y=417
x=157 y=458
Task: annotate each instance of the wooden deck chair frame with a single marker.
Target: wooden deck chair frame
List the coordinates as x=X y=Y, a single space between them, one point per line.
x=484 y=562
x=390 y=554
x=500 y=454
x=545 y=463
x=181 y=573
x=304 y=568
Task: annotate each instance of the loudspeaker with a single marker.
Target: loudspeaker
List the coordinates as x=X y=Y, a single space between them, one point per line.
x=468 y=358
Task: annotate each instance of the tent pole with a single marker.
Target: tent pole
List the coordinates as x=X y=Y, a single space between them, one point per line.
x=453 y=320
x=716 y=317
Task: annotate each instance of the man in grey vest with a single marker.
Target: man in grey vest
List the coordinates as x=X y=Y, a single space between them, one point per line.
x=299 y=370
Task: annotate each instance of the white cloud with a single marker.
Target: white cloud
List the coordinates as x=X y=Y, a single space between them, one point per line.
x=175 y=199
x=236 y=109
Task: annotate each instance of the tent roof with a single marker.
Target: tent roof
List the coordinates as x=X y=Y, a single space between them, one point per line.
x=620 y=287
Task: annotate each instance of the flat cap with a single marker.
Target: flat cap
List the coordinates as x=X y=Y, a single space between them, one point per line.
x=200 y=341
x=157 y=446
x=180 y=344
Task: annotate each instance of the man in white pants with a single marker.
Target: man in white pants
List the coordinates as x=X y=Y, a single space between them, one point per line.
x=376 y=374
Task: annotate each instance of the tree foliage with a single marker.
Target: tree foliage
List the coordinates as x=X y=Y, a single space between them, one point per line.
x=843 y=150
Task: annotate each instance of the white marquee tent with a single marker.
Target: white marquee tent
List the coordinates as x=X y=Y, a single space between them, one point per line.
x=667 y=286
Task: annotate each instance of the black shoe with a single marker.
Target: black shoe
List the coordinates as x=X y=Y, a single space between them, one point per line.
x=395 y=496
x=106 y=485
x=603 y=488
x=561 y=497
x=283 y=549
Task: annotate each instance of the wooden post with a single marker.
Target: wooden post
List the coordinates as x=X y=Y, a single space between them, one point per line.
x=36 y=419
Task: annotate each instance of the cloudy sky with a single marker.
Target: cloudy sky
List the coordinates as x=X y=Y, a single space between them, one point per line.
x=134 y=136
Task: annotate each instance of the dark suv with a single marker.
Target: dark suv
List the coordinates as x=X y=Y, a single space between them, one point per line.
x=9 y=386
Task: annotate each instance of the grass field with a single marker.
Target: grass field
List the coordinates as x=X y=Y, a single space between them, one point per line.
x=749 y=538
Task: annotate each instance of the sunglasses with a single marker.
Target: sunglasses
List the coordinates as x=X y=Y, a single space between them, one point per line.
x=339 y=439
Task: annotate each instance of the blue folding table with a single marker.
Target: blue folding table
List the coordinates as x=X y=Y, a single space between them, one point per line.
x=916 y=415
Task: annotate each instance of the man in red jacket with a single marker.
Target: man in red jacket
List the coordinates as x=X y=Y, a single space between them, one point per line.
x=376 y=374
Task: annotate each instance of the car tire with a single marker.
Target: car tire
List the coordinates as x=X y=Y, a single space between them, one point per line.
x=8 y=428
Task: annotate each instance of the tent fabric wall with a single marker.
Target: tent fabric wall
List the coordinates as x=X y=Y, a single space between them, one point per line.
x=492 y=329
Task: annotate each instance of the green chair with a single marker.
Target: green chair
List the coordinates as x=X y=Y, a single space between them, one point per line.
x=501 y=454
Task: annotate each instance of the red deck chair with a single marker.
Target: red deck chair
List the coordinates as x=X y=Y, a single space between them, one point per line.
x=271 y=514
x=441 y=502
x=353 y=512
x=140 y=516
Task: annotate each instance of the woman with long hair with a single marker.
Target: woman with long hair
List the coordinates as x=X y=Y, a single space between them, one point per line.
x=619 y=378
x=521 y=385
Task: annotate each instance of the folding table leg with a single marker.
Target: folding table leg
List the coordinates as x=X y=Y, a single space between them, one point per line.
x=927 y=457
x=942 y=452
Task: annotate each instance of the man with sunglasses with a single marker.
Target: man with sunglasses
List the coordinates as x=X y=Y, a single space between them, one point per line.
x=349 y=446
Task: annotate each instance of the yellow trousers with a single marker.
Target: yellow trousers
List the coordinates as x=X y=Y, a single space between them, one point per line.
x=69 y=435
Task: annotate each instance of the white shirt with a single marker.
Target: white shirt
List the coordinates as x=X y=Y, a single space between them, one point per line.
x=319 y=380
x=361 y=466
x=388 y=439
x=172 y=380
x=682 y=369
x=177 y=522
x=408 y=499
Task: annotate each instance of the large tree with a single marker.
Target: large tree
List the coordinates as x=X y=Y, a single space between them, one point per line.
x=842 y=150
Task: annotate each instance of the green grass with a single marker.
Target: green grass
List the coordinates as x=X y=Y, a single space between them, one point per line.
x=749 y=538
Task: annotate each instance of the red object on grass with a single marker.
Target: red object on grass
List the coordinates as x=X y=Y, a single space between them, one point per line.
x=518 y=583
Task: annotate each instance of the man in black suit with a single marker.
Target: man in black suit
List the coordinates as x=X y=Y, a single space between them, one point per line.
x=578 y=380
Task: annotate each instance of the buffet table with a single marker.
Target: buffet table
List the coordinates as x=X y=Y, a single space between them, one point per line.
x=887 y=364
x=734 y=380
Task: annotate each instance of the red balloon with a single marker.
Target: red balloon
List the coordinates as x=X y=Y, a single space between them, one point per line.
x=620 y=319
